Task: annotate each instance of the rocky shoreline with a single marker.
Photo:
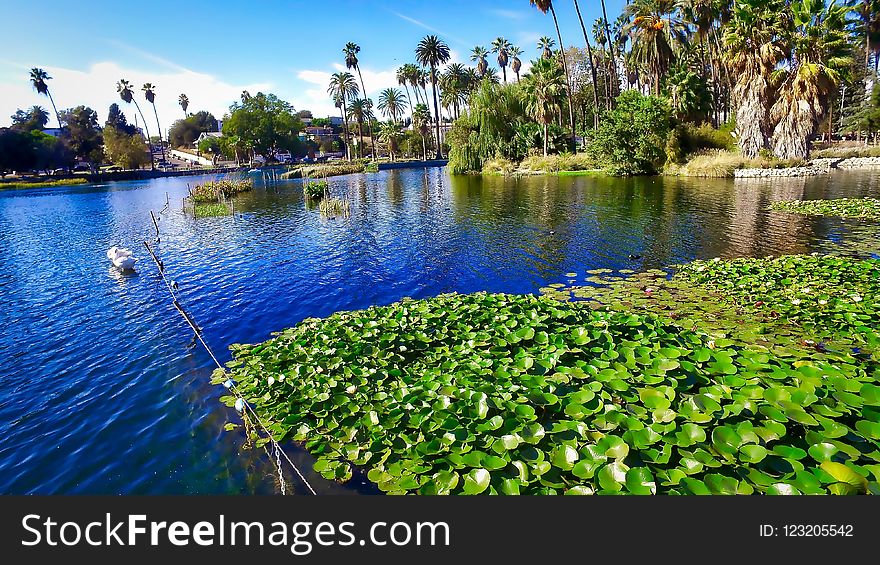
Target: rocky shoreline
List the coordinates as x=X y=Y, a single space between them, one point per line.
x=813 y=168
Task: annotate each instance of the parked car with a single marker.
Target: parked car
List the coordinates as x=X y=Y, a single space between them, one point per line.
x=59 y=172
x=82 y=167
x=111 y=169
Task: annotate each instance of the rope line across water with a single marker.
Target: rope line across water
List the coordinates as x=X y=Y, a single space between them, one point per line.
x=230 y=385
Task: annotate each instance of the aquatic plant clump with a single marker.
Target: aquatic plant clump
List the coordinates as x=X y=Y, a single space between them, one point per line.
x=324 y=170
x=334 y=207
x=214 y=191
x=315 y=190
x=842 y=207
x=501 y=394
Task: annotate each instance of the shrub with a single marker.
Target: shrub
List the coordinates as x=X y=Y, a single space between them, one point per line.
x=632 y=136
x=499 y=166
x=687 y=139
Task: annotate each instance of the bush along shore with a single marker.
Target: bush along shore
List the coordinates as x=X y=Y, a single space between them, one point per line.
x=754 y=376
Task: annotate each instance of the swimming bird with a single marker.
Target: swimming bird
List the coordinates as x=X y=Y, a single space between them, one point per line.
x=634 y=257
x=121 y=258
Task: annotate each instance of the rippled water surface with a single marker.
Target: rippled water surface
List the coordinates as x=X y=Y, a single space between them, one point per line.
x=102 y=389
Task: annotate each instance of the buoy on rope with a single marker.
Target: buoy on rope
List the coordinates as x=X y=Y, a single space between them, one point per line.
x=228 y=383
x=239 y=404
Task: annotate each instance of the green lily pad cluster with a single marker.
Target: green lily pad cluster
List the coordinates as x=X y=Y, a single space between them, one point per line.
x=842 y=207
x=502 y=394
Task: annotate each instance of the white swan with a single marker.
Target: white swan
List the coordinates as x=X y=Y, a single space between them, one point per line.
x=121 y=258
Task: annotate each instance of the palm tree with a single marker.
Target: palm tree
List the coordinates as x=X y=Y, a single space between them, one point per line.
x=545 y=6
x=502 y=47
x=478 y=55
x=544 y=87
x=658 y=34
x=390 y=135
x=150 y=95
x=592 y=67
x=351 y=51
x=432 y=52
x=123 y=87
x=819 y=54
x=361 y=110
x=515 y=63
x=752 y=50
x=39 y=115
x=344 y=86
x=545 y=44
x=38 y=81
x=413 y=74
x=183 y=100
x=611 y=47
x=391 y=103
x=492 y=76
x=403 y=81
x=455 y=84
x=422 y=124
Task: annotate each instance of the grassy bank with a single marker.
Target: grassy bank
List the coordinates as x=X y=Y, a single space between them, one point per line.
x=565 y=164
x=492 y=393
x=42 y=184
x=720 y=163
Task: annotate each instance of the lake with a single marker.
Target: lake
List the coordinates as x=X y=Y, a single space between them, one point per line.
x=104 y=391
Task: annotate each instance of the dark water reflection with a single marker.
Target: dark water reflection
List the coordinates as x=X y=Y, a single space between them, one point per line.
x=101 y=391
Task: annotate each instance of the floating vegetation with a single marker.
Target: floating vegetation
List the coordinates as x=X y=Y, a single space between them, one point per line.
x=323 y=170
x=502 y=394
x=315 y=190
x=335 y=207
x=210 y=210
x=43 y=183
x=219 y=190
x=842 y=207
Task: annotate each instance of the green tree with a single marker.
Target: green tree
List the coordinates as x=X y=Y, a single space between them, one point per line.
x=391 y=103
x=116 y=119
x=632 y=137
x=478 y=55
x=123 y=87
x=658 y=35
x=360 y=111
x=35 y=118
x=544 y=91
x=38 y=79
x=502 y=47
x=547 y=6
x=592 y=66
x=422 y=124
x=403 y=80
x=125 y=150
x=389 y=134
x=545 y=45
x=264 y=124
x=344 y=87
x=82 y=134
x=432 y=52
x=183 y=133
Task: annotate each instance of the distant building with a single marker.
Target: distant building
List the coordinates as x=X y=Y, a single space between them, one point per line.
x=205 y=135
x=335 y=120
x=319 y=133
x=54 y=132
x=306 y=121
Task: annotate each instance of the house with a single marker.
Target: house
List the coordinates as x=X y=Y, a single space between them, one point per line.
x=205 y=135
x=54 y=132
x=335 y=120
x=319 y=133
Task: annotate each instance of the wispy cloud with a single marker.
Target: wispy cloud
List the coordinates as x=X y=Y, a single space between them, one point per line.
x=423 y=25
x=147 y=56
x=509 y=14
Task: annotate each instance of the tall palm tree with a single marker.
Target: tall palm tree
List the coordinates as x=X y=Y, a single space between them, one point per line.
x=351 y=51
x=391 y=103
x=361 y=111
x=752 y=50
x=611 y=47
x=183 y=100
x=344 y=86
x=592 y=67
x=547 y=6
x=545 y=45
x=403 y=81
x=820 y=52
x=455 y=86
x=515 y=62
x=658 y=35
x=478 y=55
x=38 y=81
x=502 y=47
x=389 y=134
x=413 y=74
x=432 y=52
x=150 y=95
x=123 y=87
x=422 y=124
x=544 y=89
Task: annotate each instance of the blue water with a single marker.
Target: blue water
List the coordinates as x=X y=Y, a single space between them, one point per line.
x=103 y=390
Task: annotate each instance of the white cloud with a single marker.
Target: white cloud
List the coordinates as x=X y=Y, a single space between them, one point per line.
x=509 y=14
x=96 y=87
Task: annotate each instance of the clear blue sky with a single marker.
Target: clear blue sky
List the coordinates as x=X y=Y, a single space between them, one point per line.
x=213 y=50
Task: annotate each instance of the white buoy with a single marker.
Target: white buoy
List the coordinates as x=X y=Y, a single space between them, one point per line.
x=239 y=404
x=228 y=383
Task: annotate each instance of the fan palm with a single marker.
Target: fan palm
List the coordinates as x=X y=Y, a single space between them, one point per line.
x=592 y=67
x=658 y=34
x=515 y=62
x=344 y=86
x=502 y=47
x=752 y=50
x=150 y=95
x=403 y=81
x=123 y=87
x=478 y=55
x=183 y=100
x=547 y=6
x=611 y=48
x=361 y=111
x=351 y=51
x=391 y=103
x=432 y=52
x=389 y=134
x=38 y=81
x=546 y=44
x=422 y=124
x=544 y=89
x=819 y=53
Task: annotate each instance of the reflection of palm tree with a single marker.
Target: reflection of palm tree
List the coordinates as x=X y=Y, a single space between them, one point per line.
x=351 y=61
x=433 y=52
x=38 y=81
x=123 y=87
